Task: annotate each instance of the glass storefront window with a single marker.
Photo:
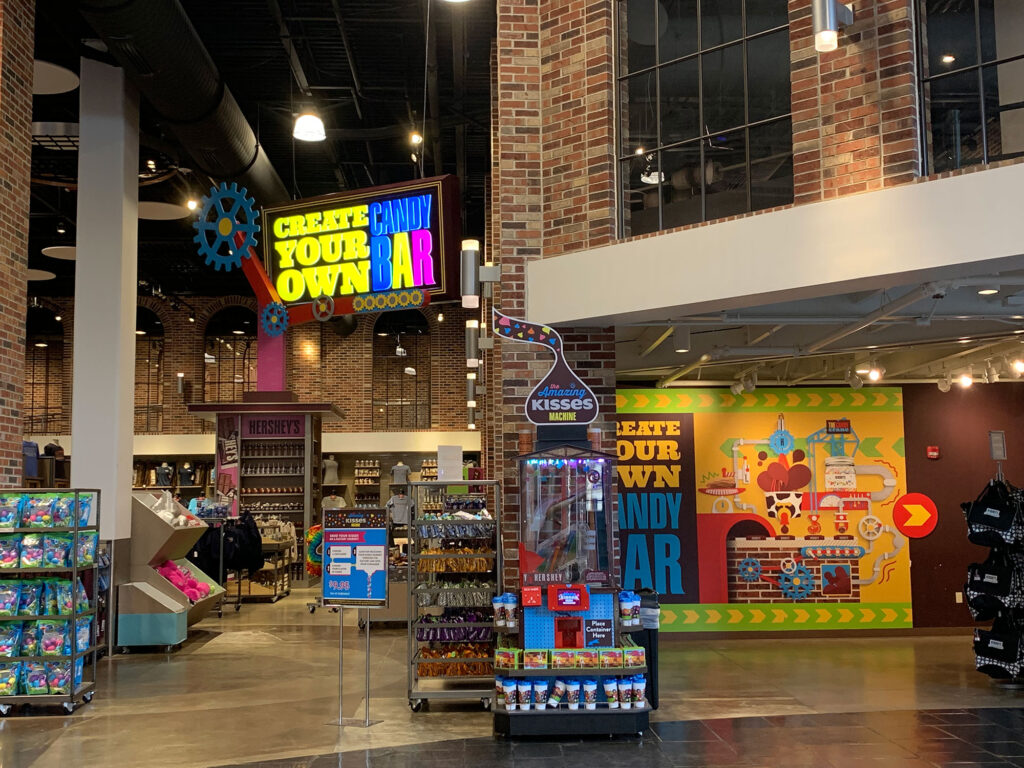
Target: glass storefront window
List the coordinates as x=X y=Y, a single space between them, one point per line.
x=704 y=102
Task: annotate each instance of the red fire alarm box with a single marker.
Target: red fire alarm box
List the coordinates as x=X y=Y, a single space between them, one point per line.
x=568 y=597
x=568 y=632
x=932 y=452
x=532 y=597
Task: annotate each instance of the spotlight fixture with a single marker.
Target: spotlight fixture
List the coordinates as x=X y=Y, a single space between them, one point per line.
x=966 y=378
x=876 y=372
x=440 y=317
x=309 y=127
x=1018 y=366
x=400 y=351
x=945 y=383
x=191 y=318
x=415 y=138
x=681 y=339
x=151 y=164
x=471 y=274
x=736 y=387
x=991 y=374
x=58 y=318
x=62 y=228
x=829 y=16
x=192 y=204
x=855 y=381
x=749 y=383
x=948 y=58
x=639 y=151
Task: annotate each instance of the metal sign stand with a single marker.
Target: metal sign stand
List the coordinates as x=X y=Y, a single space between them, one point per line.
x=365 y=722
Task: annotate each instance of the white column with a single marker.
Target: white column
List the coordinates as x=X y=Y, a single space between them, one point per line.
x=103 y=394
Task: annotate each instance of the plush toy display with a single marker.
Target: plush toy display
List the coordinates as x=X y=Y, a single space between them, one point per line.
x=183 y=580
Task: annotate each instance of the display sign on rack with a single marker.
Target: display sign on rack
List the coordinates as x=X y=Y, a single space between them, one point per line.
x=355 y=546
x=274 y=425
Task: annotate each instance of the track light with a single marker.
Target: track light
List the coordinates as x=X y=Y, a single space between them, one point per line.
x=991 y=375
x=1018 y=367
x=875 y=372
x=471 y=274
x=855 y=381
x=829 y=16
x=945 y=383
x=749 y=383
x=61 y=228
x=192 y=204
x=681 y=339
x=415 y=138
x=309 y=127
x=736 y=387
x=966 y=378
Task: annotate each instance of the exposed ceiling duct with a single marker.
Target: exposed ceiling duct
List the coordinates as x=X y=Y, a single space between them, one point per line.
x=156 y=44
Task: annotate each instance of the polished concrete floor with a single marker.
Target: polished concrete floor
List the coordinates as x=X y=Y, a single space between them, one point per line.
x=260 y=687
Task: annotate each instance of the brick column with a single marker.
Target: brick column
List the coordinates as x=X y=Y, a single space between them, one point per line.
x=17 y=20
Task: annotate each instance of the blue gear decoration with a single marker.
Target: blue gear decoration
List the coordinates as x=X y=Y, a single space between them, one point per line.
x=274 y=319
x=216 y=237
x=750 y=569
x=797 y=585
x=781 y=441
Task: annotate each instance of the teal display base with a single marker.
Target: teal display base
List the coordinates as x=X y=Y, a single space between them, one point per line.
x=134 y=629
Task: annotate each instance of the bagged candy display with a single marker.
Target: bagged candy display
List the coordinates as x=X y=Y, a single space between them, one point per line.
x=56 y=548
x=84 y=508
x=64 y=597
x=33 y=678
x=49 y=605
x=10 y=594
x=32 y=550
x=10 y=638
x=29 y=639
x=85 y=552
x=64 y=510
x=31 y=600
x=81 y=597
x=37 y=511
x=83 y=634
x=10 y=547
x=10 y=511
x=58 y=676
x=10 y=673
x=53 y=638
x=79 y=667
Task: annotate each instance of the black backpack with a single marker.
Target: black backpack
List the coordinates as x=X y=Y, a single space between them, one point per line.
x=993 y=518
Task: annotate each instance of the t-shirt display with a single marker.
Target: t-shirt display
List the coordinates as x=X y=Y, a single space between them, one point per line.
x=401 y=508
x=400 y=474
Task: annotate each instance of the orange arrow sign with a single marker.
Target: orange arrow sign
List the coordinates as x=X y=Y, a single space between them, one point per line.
x=915 y=515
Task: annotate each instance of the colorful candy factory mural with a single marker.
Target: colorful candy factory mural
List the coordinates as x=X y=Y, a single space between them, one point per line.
x=767 y=510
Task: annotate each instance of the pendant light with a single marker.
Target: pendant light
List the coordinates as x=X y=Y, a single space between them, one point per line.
x=309 y=126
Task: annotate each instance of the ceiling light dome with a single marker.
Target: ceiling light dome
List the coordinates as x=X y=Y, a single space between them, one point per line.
x=309 y=127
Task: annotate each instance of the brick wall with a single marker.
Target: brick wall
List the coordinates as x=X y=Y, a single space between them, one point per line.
x=17 y=20
x=323 y=367
x=770 y=554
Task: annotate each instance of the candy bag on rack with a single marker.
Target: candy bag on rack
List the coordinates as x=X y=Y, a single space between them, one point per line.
x=32 y=550
x=85 y=551
x=10 y=594
x=83 y=634
x=53 y=638
x=10 y=674
x=33 y=678
x=84 y=508
x=64 y=597
x=10 y=548
x=10 y=638
x=79 y=667
x=29 y=639
x=49 y=604
x=31 y=600
x=56 y=548
x=81 y=597
x=58 y=677
x=64 y=510
x=37 y=511
x=10 y=510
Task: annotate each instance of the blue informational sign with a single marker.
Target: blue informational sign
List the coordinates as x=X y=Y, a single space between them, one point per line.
x=355 y=550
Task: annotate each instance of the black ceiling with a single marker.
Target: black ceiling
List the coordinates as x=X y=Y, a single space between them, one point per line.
x=370 y=93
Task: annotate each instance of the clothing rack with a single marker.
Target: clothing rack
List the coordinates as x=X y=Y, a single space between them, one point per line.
x=220 y=524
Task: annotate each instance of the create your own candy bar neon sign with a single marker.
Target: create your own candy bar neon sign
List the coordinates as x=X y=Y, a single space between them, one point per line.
x=366 y=241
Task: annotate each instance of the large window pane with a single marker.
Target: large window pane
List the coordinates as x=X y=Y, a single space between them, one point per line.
x=679 y=29
x=723 y=88
x=1002 y=29
x=683 y=182
x=955 y=115
x=639 y=105
x=680 y=102
x=771 y=164
x=949 y=35
x=639 y=199
x=1004 y=110
x=768 y=76
x=639 y=26
x=766 y=14
x=725 y=182
x=721 y=21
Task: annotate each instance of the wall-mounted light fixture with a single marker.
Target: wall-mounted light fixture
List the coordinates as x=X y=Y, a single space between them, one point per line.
x=470 y=393
x=471 y=274
x=829 y=16
x=181 y=382
x=472 y=343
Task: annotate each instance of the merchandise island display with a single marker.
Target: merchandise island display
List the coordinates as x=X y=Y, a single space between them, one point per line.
x=48 y=597
x=454 y=573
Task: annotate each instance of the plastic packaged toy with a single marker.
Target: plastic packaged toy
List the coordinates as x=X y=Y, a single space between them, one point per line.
x=10 y=547
x=10 y=511
x=64 y=597
x=10 y=594
x=29 y=639
x=49 y=605
x=30 y=602
x=81 y=597
x=37 y=511
x=85 y=551
x=83 y=634
x=32 y=550
x=10 y=638
x=33 y=678
x=53 y=638
x=84 y=508
x=79 y=667
x=64 y=510
x=56 y=548
x=58 y=677
x=10 y=673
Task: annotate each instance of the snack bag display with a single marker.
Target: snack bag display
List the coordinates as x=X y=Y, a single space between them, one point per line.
x=56 y=548
x=587 y=658
x=37 y=511
x=31 y=600
x=64 y=510
x=33 y=678
x=535 y=659
x=10 y=674
x=635 y=657
x=62 y=589
x=563 y=659
x=29 y=639
x=10 y=548
x=83 y=634
x=85 y=550
x=10 y=594
x=84 y=508
x=53 y=638
x=58 y=676
x=31 y=550
x=10 y=511
x=10 y=638
x=611 y=658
